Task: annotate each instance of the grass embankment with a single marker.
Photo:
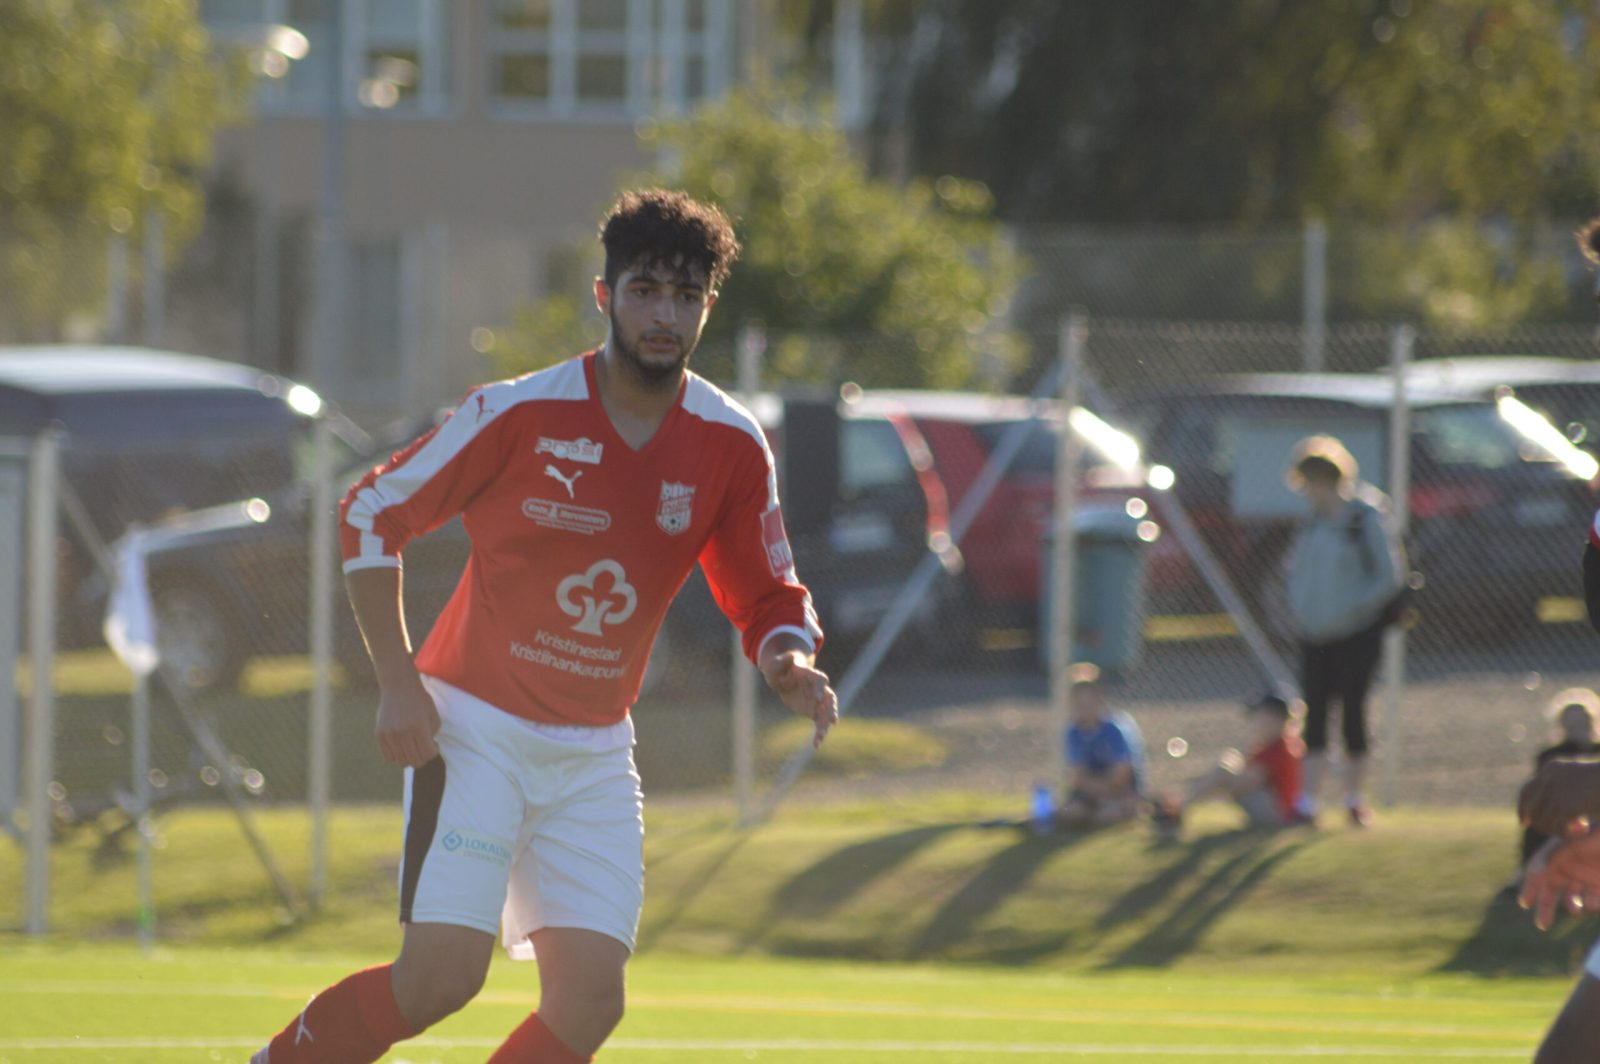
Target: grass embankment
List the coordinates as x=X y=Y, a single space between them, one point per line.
x=915 y=880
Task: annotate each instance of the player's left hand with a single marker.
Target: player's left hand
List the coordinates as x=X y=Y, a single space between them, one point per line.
x=804 y=688
x=1564 y=873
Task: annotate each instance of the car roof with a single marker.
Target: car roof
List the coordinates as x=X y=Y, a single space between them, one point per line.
x=1368 y=390
x=972 y=408
x=62 y=369
x=87 y=387
x=1487 y=372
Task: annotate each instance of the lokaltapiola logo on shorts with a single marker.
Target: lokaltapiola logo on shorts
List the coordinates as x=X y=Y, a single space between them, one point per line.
x=596 y=602
x=677 y=507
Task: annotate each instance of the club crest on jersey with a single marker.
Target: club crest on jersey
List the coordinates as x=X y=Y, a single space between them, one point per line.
x=676 y=509
x=581 y=449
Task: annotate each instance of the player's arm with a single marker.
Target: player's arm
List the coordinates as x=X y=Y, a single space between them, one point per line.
x=791 y=670
x=407 y=717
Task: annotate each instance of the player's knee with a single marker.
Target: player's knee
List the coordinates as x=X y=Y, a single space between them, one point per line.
x=444 y=988
x=599 y=1001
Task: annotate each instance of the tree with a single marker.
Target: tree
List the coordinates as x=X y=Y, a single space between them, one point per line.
x=912 y=277
x=1432 y=117
x=107 y=111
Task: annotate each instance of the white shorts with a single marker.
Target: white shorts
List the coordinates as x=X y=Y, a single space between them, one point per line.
x=518 y=826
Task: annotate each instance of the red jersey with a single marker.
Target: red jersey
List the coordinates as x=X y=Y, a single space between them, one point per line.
x=1280 y=760
x=580 y=542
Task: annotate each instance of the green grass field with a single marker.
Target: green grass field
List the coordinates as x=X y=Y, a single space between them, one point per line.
x=92 y=1003
x=852 y=931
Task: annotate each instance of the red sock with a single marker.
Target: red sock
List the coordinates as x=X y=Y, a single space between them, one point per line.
x=352 y=1022
x=532 y=1043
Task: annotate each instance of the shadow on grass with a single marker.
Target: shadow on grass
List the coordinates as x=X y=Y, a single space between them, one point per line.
x=840 y=876
x=1505 y=942
x=1206 y=901
x=652 y=932
x=1006 y=873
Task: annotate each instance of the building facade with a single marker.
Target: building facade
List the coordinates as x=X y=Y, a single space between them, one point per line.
x=479 y=140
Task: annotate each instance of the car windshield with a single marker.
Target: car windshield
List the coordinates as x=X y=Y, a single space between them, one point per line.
x=1038 y=453
x=1471 y=435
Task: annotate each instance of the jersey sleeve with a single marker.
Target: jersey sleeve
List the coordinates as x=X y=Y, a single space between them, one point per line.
x=424 y=485
x=748 y=563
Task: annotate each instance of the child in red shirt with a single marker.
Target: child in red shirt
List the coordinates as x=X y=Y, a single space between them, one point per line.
x=1266 y=784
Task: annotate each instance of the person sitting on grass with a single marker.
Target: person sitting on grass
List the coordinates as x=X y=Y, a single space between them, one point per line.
x=1105 y=756
x=1574 y=712
x=1266 y=784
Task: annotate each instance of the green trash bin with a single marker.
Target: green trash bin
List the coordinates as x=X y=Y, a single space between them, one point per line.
x=1109 y=587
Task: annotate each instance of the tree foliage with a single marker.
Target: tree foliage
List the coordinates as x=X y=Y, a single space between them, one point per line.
x=1463 y=125
x=107 y=111
x=914 y=276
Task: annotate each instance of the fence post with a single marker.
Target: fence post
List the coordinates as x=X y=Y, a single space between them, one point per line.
x=116 y=328
x=43 y=473
x=752 y=345
x=1073 y=334
x=319 y=736
x=155 y=278
x=1314 y=293
x=1394 y=637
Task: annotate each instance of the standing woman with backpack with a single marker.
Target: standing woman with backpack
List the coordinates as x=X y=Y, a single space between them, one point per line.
x=1345 y=580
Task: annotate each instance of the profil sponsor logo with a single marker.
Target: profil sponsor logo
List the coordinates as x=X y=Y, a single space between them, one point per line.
x=581 y=449
x=565 y=516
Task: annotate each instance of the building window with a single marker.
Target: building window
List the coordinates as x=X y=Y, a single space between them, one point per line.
x=599 y=59
x=396 y=54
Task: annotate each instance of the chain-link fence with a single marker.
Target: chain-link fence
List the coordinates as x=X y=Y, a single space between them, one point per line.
x=952 y=496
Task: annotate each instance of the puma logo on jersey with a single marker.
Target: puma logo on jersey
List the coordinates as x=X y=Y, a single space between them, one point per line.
x=570 y=483
x=302 y=1031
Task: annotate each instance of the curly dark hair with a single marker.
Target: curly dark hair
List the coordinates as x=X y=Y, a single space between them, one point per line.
x=660 y=227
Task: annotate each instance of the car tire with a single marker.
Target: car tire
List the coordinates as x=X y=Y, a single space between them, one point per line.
x=197 y=636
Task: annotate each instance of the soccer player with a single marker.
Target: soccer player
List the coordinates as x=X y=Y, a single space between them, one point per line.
x=589 y=490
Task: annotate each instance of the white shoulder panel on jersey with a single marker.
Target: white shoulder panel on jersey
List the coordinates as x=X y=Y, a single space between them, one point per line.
x=562 y=382
x=706 y=401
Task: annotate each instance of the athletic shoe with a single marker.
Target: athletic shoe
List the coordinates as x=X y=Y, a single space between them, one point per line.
x=1360 y=816
x=1300 y=819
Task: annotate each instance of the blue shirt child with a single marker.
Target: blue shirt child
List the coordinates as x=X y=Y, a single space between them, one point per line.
x=1114 y=741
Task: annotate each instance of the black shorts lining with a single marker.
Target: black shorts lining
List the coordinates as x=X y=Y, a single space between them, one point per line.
x=427 y=793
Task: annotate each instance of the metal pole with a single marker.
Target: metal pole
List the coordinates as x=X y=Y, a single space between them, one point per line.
x=1394 y=638
x=1315 y=292
x=324 y=548
x=117 y=289
x=43 y=470
x=1074 y=332
x=140 y=726
x=155 y=278
x=752 y=345
x=325 y=375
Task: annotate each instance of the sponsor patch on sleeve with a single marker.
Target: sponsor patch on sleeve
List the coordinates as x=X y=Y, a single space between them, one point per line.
x=780 y=559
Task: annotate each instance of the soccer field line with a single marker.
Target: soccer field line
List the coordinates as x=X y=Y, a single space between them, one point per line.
x=886 y=1047
x=1099 y=1015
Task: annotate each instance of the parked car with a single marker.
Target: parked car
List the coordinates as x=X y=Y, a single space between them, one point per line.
x=1003 y=547
x=1491 y=513
x=147 y=434
x=862 y=505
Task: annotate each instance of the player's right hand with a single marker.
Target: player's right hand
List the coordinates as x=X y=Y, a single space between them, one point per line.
x=1561 y=792
x=407 y=722
x=1564 y=873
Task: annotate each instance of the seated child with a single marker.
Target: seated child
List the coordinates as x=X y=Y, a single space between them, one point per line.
x=1266 y=784
x=1574 y=711
x=1105 y=758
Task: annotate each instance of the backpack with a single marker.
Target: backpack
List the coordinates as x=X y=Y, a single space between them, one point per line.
x=1401 y=608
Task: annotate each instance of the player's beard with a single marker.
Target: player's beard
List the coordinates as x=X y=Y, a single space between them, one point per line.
x=656 y=375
